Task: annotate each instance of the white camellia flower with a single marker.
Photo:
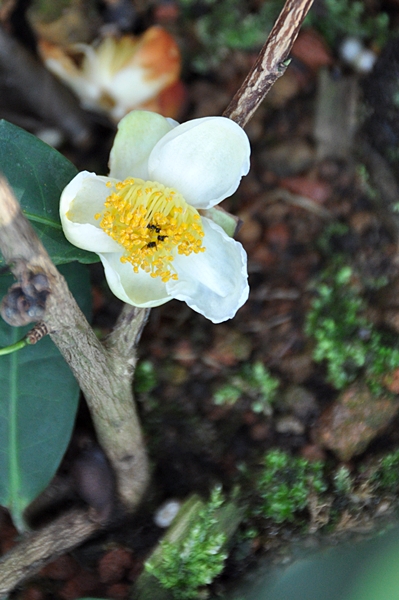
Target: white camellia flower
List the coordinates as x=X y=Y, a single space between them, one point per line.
x=147 y=222
x=119 y=74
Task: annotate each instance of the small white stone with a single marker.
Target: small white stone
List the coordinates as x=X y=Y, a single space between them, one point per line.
x=165 y=514
x=353 y=52
x=51 y=136
x=365 y=61
x=350 y=49
x=289 y=424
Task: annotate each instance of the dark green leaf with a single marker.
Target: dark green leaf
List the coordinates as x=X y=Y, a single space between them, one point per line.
x=38 y=174
x=38 y=402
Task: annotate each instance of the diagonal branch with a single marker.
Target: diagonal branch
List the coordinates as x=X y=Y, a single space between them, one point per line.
x=40 y=547
x=271 y=62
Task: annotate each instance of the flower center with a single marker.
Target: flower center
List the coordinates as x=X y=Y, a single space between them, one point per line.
x=152 y=223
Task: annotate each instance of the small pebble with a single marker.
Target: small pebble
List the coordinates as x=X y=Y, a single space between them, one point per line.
x=290 y=425
x=362 y=221
x=365 y=61
x=63 y=568
x=383 y=508
x=166 y=513
x=83 y=584
x=300 y=401
x=353 y=52
x=118 y=591
x=350 y=49
x=114 y=564
x=313 y=452
x=353 y=420
x=51 y=136
x=260 y=432
x=298 y=367
x=32 y=593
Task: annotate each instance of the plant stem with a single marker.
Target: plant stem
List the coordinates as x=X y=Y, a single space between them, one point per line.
x=14 y=347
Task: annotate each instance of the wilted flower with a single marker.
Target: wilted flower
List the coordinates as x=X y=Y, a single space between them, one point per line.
x=121 y=74
x=147 y=222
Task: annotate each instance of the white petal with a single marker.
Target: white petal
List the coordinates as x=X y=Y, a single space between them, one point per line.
x=214 y=282
x=131 y=87
x=82 y=198
x=172 y=122
x=87 y=91
x=204 y=159
x=137 y=134
x=138 y=289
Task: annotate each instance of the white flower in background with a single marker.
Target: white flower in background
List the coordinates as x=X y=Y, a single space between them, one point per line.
x=121 y=74
x=147 y=222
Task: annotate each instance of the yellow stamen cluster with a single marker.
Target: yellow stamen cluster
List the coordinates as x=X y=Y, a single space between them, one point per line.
x=152 y=223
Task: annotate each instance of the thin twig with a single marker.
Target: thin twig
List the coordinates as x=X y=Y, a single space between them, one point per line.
x=271 y=62
x=124 y=337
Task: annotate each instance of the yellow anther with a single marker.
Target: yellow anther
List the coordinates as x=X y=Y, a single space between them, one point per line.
x=153 y=224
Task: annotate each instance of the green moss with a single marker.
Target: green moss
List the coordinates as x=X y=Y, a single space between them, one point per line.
x=224 y=25
x=350 y=18
x=253 y=382
x=227 y=394
x=195 y=560
x=342 y=481
x=334 y=322
x=285 y=483
x=263 y=386
x=332 y=232
x=386 y=475
x=385 y=358
x=145 y=377
x=365 y=181
x=344 y=339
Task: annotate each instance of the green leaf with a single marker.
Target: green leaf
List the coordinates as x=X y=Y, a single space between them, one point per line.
x=38 y=402
x=37 y=173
